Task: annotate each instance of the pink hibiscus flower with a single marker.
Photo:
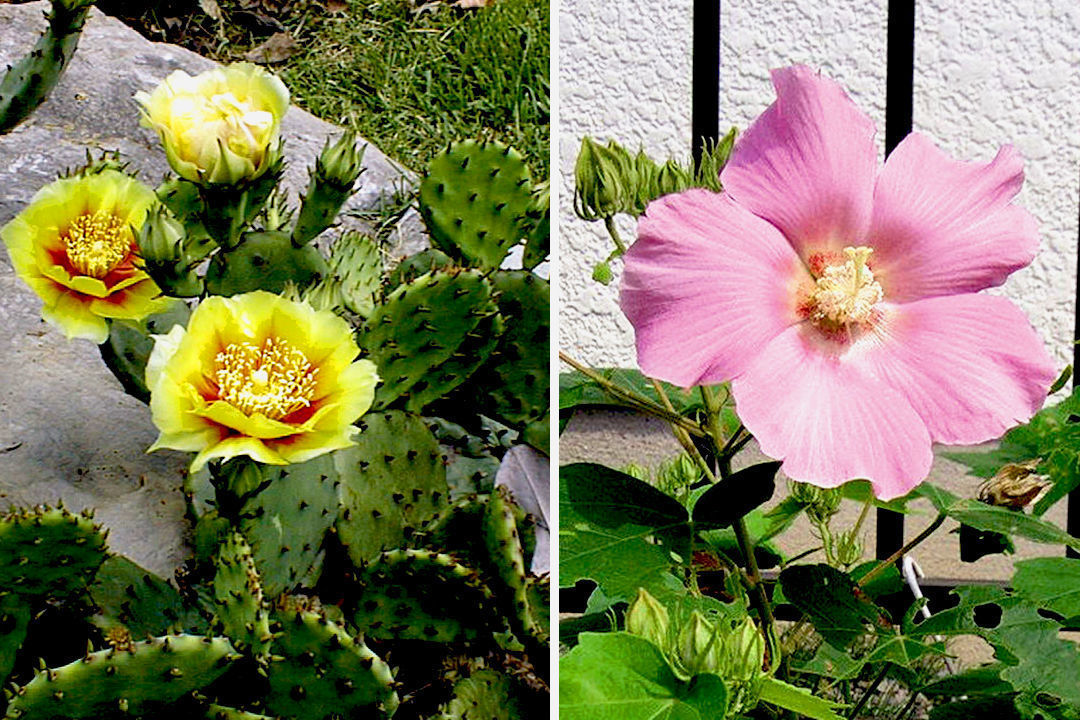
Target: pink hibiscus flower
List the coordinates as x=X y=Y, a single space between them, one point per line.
x=842 y=301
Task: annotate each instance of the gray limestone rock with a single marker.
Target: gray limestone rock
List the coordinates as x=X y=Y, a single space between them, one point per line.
x=67 y=430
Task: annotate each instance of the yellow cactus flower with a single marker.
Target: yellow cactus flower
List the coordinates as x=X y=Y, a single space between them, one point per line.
x=221 y=126
x=74 y=245
x=258 y=375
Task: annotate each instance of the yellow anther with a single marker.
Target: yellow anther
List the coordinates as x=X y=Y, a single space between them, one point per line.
x=846 y=293
x=96 y=243
x=273 y=380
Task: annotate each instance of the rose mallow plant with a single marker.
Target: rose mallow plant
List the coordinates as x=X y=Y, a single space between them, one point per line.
x=842 y=301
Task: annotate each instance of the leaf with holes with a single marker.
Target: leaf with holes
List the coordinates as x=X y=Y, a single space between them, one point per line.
x=832 y=601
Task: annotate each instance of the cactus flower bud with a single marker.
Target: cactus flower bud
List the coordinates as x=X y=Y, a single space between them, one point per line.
x=332 y=180
x=220 y=127
x=341 y=161
x=647 y=618
x=163 y=255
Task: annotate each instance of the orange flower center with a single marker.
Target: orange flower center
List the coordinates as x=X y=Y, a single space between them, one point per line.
x=845 y=293
x=274 y=379
x=96 y=243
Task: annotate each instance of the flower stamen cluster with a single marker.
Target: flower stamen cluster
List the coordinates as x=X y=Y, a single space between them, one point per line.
x=845 y=293
x=96 y=243
x=274 y=379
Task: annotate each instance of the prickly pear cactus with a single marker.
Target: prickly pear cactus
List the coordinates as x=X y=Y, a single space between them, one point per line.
x=484 y=695
x=321 y=672
x=264 y=261
x=420 y=326
x=128 y=679
x=416 y=265
x=30 y=80
x=425 y=595
x=238 y=594
x=392 y=484
x=474 y=200
x=285 y=523
x=128 y=347
x=49 y=552
x=131 y=599
x=356 y=261
x=14 y=618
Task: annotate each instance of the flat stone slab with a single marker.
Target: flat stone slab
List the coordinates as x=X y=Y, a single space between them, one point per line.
x=67 y=430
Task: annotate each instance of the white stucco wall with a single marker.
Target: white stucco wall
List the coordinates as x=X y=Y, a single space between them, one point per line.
x=987 y=72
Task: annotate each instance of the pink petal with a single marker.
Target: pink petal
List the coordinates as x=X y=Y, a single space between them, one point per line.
x=807 y=164
x=706 y=286
x=970 y=365
x=817 y=410
x=943 y=227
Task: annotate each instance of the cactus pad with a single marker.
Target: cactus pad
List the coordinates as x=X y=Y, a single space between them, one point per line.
x=14 y=617
x=49 y=551
x=420 y=326
x=129 y=597
x=161 y=670
x=264 y=261
x=220 y=712
x=324 y=673
x=356 y=261
x=425 y=595
x=419 y=264
x=515 y=380
x=392 y=484
x=238 y=596
x=474 y=199
x=484 y=695
x=285 y=523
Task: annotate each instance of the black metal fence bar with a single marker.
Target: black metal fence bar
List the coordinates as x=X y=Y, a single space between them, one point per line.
x=705 y=91
x=899 y=90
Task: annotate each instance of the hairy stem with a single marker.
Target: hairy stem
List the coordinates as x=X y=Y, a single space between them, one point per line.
x=609 y=223
x=881 y=567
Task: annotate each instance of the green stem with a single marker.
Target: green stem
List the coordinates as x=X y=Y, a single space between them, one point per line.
x=609 y=223
x=881 y=567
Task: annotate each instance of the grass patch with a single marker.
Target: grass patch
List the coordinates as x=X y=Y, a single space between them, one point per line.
x=409 y=76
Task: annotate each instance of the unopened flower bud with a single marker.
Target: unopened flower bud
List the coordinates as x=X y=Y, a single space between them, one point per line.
x=161 y=237
x=600 y=180
x=647 y=618
x=672 y=178
x=699 y=646
x=342 y=161
x=848 y=548
x=744 y=653
x=636 y=471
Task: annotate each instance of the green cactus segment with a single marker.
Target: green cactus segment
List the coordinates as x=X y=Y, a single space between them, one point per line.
x=356 y=262
x=515 y=380
x=500 y=529
x=470 y=464
x=49 y=552
x=393 y=484
x=264 y=261
x=14 y=618
x=128 y=347
x=238 y=596
x=161 y=670
x=133 y=599
x=420 y=326
x=484 y=695
x=332 y=181
x=538 y=242
x=538 y=596
x=474 y=350
x=419 y=264
x=286 y=523
x=30 y=80
x=474 y=199
x=211 y=530
x=228 y=210
x=425 y=595
x=324 y=673
x=220 y=712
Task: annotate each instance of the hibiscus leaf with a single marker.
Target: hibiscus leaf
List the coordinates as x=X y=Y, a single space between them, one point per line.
x=981 y=516
x=609 y=498
x=1051 y=583
x=799 y=700
x=832 y=663
x=619 y=556
x=736 y=495
x=620 y=675
x=832 y=602
x=983 y=680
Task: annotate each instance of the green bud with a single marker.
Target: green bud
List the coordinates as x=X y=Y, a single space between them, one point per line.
x=647 y=618
x=744 y=653
x=341 y=162
x=162 y=241
x=602 y=274
x=699 y=646
x=601 y=187
x=848 y=548
x=645 y=180
x=636 y=471
x=672 y=178
x=677 y=473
